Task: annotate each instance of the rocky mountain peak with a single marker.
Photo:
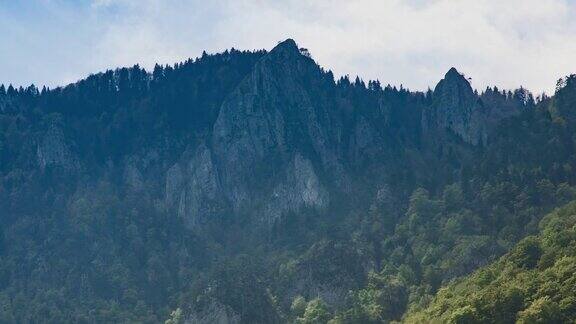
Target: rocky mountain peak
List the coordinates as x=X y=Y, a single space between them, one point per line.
x=287 y=55
x=456 y=108
x=455 y=85
x=287 y=46
x=453 y=73
x=256 y=125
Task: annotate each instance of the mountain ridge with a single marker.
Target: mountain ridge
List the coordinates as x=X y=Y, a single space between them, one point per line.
x=240 y=183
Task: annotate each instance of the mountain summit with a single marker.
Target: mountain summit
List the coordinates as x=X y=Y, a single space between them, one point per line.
x=453 y=74
x=288 y=46
x=457 y=108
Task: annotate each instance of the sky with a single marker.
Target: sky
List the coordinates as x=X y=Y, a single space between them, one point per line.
x=513 y=43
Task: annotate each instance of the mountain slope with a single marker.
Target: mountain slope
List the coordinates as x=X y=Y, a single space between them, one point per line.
x=533 y=283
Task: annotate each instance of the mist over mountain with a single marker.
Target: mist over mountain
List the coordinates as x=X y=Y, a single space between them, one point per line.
x=253 y=187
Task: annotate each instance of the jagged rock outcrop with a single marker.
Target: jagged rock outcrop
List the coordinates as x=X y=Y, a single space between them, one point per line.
x=275 y=111
x=300 y=188
x=192 y=186
x=456 y=108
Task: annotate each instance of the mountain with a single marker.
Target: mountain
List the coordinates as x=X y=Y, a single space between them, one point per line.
x=254 y=187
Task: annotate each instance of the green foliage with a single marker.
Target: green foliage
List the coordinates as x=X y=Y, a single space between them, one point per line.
x=520 y=287
x=527 y=253
x=175 y=317
x=464 y=315
x=298 y=306
x=383 y=299
x=316 y=313
x=541 y=311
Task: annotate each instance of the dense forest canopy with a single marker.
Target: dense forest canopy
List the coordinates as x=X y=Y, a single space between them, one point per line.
x=533 y=283
x=253 y=187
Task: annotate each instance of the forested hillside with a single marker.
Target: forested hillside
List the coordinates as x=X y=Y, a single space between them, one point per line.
x=533 y=283
x=253 y=187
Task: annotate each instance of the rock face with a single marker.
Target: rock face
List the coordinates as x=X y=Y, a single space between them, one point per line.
x=263 y=128
x=457 y=108
x=192 y=186
x=300 y=188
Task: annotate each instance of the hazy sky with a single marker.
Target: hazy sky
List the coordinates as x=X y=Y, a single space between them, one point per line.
x=410 y=42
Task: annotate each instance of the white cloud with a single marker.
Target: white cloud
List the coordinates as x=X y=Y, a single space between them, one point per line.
x=413 y=42
x=101 y=3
